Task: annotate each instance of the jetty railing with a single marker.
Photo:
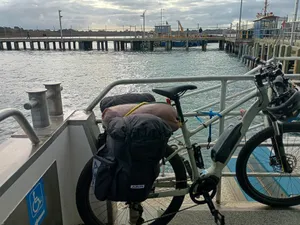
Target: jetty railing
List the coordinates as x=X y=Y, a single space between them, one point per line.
x=224 y=82
x=23 y=122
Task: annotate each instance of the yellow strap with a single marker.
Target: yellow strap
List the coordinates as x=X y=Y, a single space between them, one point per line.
x=135 y=108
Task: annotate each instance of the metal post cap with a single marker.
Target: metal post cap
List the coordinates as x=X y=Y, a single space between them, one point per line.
x=36 y=91
x=52 y=83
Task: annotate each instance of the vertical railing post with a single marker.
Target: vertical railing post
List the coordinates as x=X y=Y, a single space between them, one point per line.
x=221 y=129
x=222 y=104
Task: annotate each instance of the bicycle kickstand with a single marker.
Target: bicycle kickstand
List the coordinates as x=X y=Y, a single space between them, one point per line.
x=219 y=218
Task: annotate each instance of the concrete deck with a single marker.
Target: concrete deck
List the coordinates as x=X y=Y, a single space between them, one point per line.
x=241 y=213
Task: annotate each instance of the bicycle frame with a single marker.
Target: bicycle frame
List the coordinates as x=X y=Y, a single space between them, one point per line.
x=216 y=168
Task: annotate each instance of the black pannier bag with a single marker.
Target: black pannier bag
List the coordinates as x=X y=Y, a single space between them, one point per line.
x=125 y=99
x=125 y=168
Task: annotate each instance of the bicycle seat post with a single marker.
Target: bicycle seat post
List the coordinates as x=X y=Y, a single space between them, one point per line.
x=179 y=109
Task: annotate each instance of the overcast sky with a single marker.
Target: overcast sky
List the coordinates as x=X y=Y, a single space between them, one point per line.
x=96 y=14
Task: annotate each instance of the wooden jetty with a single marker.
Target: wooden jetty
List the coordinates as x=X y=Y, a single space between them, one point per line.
x=86 y=43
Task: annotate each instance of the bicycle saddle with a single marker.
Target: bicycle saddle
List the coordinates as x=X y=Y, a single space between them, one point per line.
x=172 y=92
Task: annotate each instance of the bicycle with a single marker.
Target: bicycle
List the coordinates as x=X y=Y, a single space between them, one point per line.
x=277 y=100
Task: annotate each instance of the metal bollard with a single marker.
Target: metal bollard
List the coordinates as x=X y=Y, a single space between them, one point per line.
x=54 y=98
x=39 y=109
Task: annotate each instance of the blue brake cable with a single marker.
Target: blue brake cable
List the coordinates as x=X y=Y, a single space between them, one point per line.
x=211 y=114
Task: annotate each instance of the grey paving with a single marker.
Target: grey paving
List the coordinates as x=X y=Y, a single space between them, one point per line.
x=240 y=214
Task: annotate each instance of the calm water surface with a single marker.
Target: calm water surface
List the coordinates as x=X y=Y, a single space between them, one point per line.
x=85 y=74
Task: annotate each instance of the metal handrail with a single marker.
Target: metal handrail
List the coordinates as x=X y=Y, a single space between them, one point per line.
x=162 y=80
x=93 y=104
x=261 y=174
x=22 y=121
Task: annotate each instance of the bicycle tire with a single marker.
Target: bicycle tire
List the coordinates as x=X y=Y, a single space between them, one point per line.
x=84 y=182
x=247 y=154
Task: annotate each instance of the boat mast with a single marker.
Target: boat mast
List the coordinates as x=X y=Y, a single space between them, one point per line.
x=266 y=8
x=294 y=22
x=161 y=16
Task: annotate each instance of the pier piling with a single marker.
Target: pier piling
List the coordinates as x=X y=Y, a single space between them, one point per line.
x=47 y=45
x=221 y=45
x=204 y=45
x=115 y=46
x=276 y=51
x=16 y=45
x=270 y=52
x=297 y=63
x=118 y=45
x=106 y=45
x=8 y=45
x=39 y=45
x=281 y=50
x=32 y=45
x=122 y=46
x=287 y=53
x=151 y=46
x=168 y=46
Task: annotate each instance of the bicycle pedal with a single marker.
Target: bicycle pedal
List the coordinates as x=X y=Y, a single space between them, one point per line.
x=219 y=218
x=140 y=221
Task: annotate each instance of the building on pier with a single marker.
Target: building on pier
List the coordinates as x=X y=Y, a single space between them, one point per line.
x=162 y=30
x=268 y=26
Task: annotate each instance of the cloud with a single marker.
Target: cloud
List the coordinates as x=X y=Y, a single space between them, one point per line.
x=95 y=14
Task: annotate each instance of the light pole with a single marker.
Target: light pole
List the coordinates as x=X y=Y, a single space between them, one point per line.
x=59 y=17
x=144 y=18
x=240 y=20
x=161 y=16
x=294 y=22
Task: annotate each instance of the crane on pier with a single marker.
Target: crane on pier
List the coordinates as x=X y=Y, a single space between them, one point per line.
x=180 y=29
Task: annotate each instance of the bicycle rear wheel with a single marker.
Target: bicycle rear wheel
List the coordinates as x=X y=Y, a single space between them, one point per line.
x=257 y=160
x=157 y=211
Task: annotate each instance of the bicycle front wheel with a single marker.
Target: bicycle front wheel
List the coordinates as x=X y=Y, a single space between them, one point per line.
x=260 y=173
x=157 y=211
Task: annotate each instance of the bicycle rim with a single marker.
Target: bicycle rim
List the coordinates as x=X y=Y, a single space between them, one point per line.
x=257 y=160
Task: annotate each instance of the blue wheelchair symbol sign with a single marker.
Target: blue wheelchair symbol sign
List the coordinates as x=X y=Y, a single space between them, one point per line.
x=36 y=203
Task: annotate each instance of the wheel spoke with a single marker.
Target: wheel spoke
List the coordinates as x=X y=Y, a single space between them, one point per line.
x=255 y=158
